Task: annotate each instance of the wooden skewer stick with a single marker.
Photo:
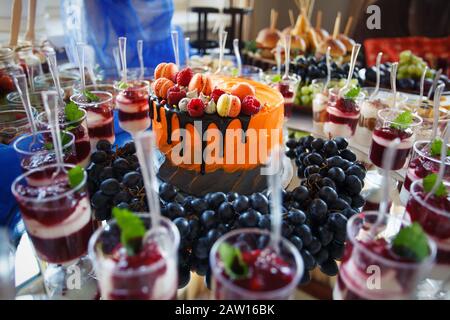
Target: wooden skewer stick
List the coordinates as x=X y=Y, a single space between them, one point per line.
x=348 y=26
x=319 y=19
x=310 y=9
x=273 y=19
x=291 y=17
x=30 y=33
x=16 y=14
x=337 y=25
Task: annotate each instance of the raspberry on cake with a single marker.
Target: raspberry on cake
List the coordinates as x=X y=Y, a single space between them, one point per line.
x=184 y=77
x=174 y=96
x=250 y=105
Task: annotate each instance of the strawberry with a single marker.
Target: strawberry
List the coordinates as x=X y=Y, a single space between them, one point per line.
x=184 y=77
x=6 y=84
x=216 y=93
x=174 y=95
x=250 y=105
x=196 y=108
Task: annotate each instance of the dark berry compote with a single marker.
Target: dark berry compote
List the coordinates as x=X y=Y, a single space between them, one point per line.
x=287 y=91
x=57 y=217
x=343 y=117
x=433 y=214
x=133 y=106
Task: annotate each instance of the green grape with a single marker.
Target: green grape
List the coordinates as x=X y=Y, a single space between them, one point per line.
x=305 y=90
x=405 y=56
x=402 y=75
x=306 y=100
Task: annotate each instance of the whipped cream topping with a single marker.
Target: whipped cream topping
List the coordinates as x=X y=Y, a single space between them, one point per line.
x=338 y=113
x=404 y=144
x=337 y=129
x=319 y=102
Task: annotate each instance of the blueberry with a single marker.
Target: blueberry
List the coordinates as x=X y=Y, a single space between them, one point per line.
x=182 y=225
x=335 y=161
x=300 y=194
x=208 y=218
x=231 y=196
x=318 y=210
x=110 y=187
x=121 y=164
x=348 y=155
x=249 y=219
x=174 y=209
x=317 y=144
x=337 y=221
x=330 y=148
x=356 y=171
x=226 y=211
x=336 y=174
x=259 y=202
x=296 y=216
x=215 y=199
x=328 y=195
x=241 y=203
x=99 y=156
x=132 y=179
x=297 y=242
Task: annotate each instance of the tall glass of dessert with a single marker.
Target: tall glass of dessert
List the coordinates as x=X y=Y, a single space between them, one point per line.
x=78 y=128
x=425 y=160
x=343 y=111
x=426 y=112
x=432 y=211
x=377 y=264
x=100 y=118
x=147 y=271
x=320 y=99
x=36 y=150
x=370 y=106
x=245 y=265
x=132 y=103
x=57 y=216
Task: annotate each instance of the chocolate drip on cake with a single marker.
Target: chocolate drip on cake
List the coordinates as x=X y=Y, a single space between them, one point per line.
x=184 y=119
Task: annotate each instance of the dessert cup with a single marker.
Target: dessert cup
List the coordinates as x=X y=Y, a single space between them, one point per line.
x=37 y=150
x=370 y=269
x=150 y=275
x=59 y=224
x=100 y=117
x=287 y=88
x=426 y=112
x=422 y=163
x=320 y=101
x=372 y=191
x=35 y=99
x=132 y=103
x=343 y=115
x=13 y=122
x=78 y=128
x=271 y=285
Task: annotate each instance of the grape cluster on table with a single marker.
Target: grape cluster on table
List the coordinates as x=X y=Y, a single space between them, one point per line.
x=314 y=214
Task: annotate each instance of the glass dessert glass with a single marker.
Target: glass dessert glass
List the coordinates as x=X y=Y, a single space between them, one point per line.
x=372 y=191
x=370 y=269
x=343 y=115
x=150 y=275
x=78 y=128
x=426 y=112
x=320 y=101
x=13 y=122
x=132 y=103
x=34 y=151
x=99 y=86
x=262 y=261
x=59 y=223
x=386 y=130
x=433 y=213
x=100 y=117
x=369 y=111
x=422 y=163
x=287 y=88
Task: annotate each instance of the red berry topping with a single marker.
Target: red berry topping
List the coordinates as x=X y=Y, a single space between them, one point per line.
x=215 y=95
x=196 y=108
x=250 y=105
x=347 y=105
x=174 y=95
x=184 y=77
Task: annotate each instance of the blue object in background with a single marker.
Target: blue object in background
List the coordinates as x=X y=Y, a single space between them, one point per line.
x=100 y=23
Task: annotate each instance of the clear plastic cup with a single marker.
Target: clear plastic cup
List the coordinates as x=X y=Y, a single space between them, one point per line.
x=13 y=122
x=100 y=116
x=366 y=273
x=320 y=99
x=155 y=281
x=223 y=288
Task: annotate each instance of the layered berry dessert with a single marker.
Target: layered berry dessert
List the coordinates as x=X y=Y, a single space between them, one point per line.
x=133 y=105
x=398 y=262
x=432 y=211
x=321 y=98
x=214 y=128
x=390 y=126
x=288 y=88
x=57 y=215
x=426 y=112
x=131 y=265
x=425 y=160
x=100 y=119
x=73 y=119
x=343 y=114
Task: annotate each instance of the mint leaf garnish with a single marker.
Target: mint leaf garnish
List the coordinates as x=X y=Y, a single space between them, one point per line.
x=403 y=120
x=411 y=242
x=73 y=112
x=436 y=147
x=232 y=260
x=122 y=85
x=132 y=229
x=428 y=183
x=90 y=96
x=234 y=72
x=352 y=93
x=65 y=139
x=76 y=175
x=276 y=78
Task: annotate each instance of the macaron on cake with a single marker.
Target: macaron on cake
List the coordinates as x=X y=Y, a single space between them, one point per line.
x=214 y=133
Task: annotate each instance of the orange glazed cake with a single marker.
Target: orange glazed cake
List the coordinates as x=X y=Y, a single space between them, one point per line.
x=214 y=133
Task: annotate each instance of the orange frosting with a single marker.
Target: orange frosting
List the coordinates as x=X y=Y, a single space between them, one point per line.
x=271 y=116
